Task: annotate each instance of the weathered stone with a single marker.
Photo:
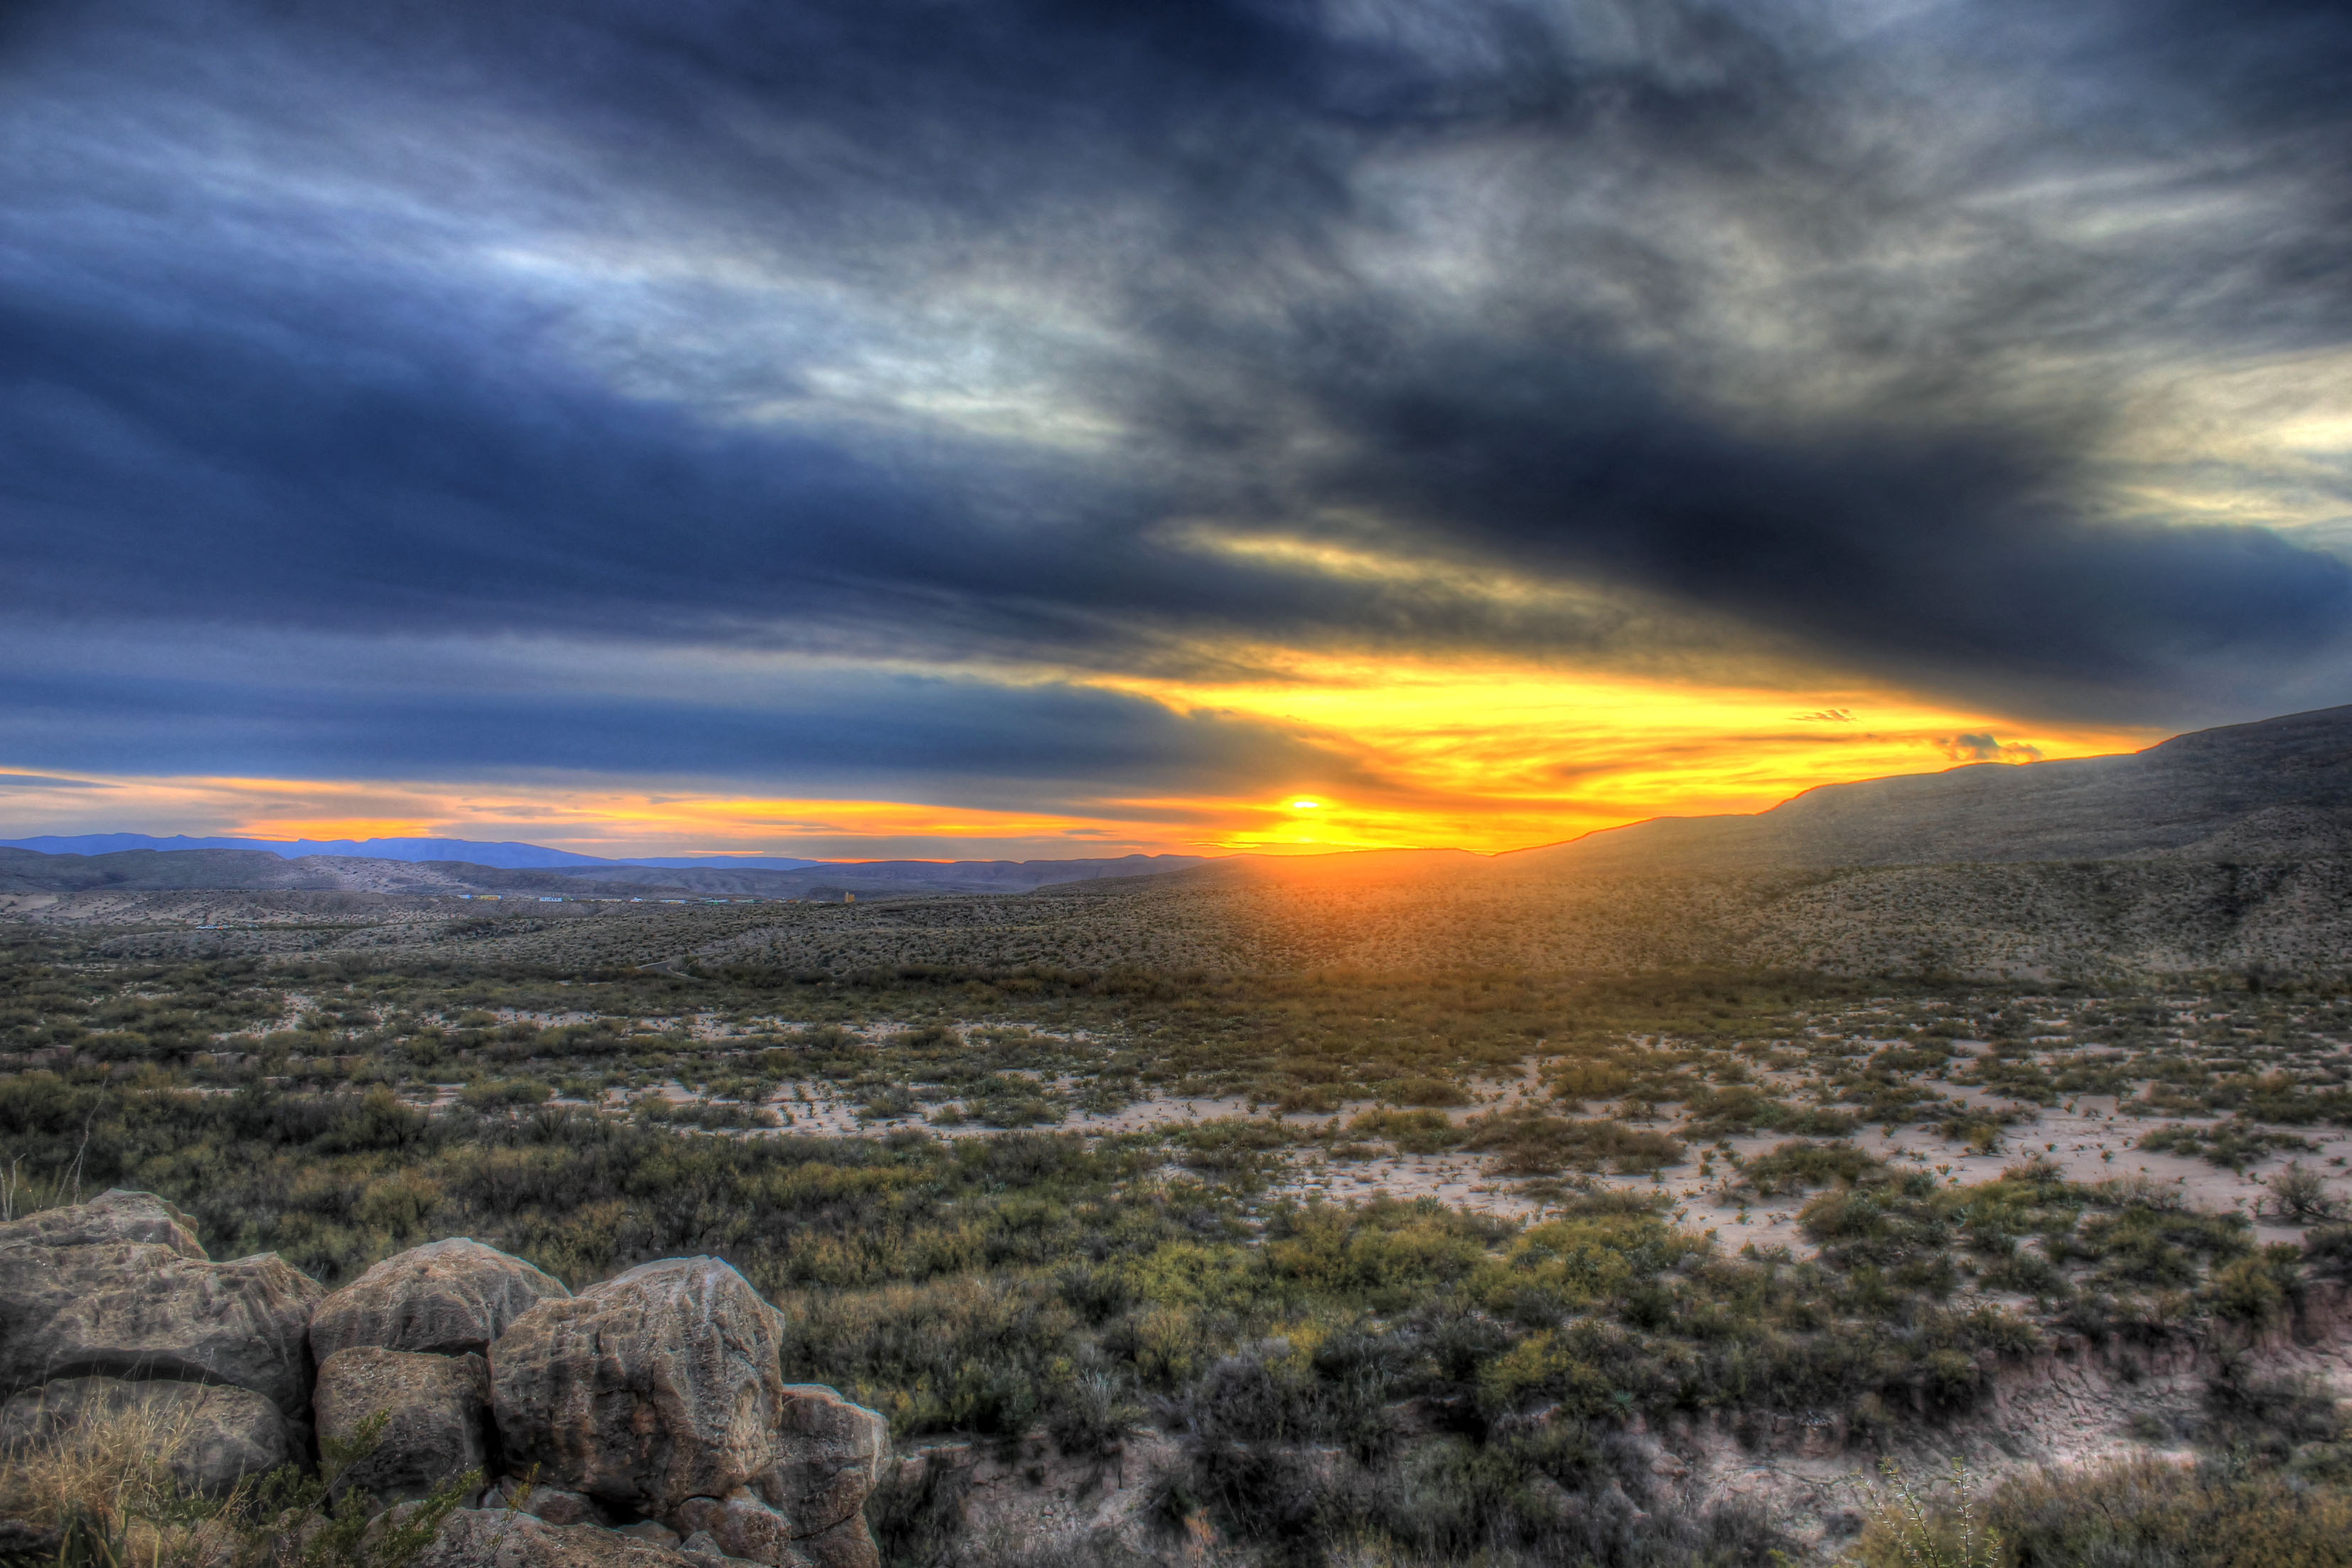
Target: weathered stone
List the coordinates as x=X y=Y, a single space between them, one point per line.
x=437 y=1417
x=210 y=1435
x=446 y=1298
x=741 y=1524
x=113 y=1216
x=848 y=1544
x=77 y=1300
x=703 y=1551
x=501 y=1538
x=651 y=1529
x=647 y=1390
x=555 y=1506
x=833 y=1454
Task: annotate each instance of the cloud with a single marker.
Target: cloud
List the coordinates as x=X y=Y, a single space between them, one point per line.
x=1984 y=747
x=947 y=335
x=840 y=733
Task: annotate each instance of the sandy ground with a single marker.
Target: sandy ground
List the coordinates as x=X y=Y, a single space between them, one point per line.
x=2086 y=1138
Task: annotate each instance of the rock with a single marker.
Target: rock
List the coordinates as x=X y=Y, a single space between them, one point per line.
x=119 y=1287
x=438 y=1417
x=833 y=1456
x=701 y=1549
x=554 y=1506
x=740 y=1524
x=703 y=1552
x=647 y=1390
x=446 y=1298
x=500 y=1538
x=215 y=1435
x=651 y=1529
x=848 y=1544
x=113 y=1216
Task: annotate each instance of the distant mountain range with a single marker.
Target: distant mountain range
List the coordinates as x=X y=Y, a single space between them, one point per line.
x=2276 y=791
x=472 y=852
x=27 y=871
x=2280 y=789
x=254 y=870
x=873 y=877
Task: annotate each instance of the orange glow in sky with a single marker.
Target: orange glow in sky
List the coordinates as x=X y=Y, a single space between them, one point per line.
x=1486 y=757
x=1493 y=757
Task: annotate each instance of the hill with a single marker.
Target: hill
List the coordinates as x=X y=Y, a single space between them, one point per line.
x=255 y=871
x=259 y=870
x=875 y=878
x=506 y=855
x=2277 y=790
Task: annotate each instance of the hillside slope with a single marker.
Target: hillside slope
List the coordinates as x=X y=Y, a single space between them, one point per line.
x=2280 y=789
x=259 y=870
x=878 y=878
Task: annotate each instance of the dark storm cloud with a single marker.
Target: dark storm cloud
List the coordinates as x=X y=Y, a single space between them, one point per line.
x=845 y=733
x=1809 y=317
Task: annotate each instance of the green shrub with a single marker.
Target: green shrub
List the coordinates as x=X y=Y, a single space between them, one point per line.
x=1796 y=1167
x=2165 y=1516
x=1412 y=1132
x=1534 y=1143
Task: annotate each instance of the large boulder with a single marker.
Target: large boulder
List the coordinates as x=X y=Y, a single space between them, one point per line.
x=436 y=1411
x=444 y=1298
x=647 y=1390
x=209 y=1436
x=500 y=1538
x=833 y=1455
x=113 y=1217
x=119 y=1287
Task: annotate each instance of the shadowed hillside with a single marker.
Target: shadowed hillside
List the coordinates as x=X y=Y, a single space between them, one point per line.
x=2279 y=788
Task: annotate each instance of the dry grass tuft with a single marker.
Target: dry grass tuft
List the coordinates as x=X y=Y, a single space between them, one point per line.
x=108 y=1479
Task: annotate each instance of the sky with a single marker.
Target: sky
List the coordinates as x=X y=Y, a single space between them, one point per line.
x=955 y=428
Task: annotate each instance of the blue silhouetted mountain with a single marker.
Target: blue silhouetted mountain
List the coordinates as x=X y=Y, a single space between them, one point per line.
x=508 y=855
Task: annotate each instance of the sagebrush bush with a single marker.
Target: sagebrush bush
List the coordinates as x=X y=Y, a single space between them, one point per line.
x=2152 y=1514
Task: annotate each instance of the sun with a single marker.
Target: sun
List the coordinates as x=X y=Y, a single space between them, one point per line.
x=1306 y=806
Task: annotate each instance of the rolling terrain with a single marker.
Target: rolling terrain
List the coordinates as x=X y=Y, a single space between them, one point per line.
x=2221 y=851
x=2280 y=788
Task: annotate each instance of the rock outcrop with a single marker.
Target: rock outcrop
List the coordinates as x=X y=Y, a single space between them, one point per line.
x=119 y=1287
x=642 y=1423
x=444 y=1298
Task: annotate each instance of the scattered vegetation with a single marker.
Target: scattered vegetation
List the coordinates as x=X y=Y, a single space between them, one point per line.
x=1002 y=1200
